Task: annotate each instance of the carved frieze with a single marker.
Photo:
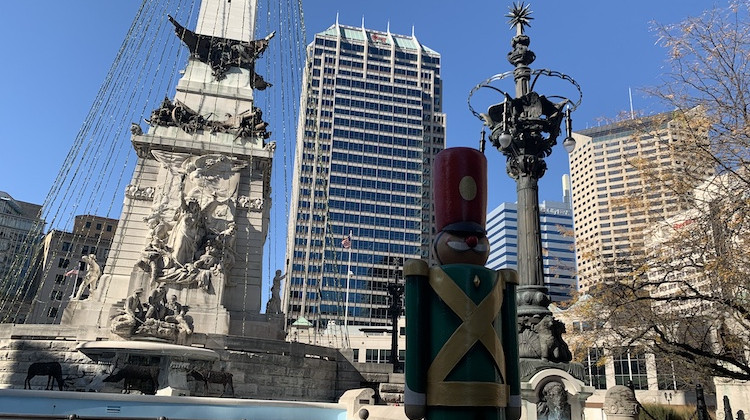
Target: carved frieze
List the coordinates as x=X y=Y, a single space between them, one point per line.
x=251 y=204
x=135 y=192
x=192 y=229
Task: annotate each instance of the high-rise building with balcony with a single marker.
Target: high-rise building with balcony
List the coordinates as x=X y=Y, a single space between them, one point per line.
x=370 y=125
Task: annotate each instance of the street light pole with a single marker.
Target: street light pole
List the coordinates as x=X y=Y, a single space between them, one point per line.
x=525 y=128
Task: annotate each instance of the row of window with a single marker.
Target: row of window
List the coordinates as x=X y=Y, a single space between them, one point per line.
x=373 y=161
x=357 y=103
x=377 y=185
x=377 y=148
x=629 y=366
x=374 y=196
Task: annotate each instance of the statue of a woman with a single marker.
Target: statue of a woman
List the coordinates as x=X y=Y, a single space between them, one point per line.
x=187 y=232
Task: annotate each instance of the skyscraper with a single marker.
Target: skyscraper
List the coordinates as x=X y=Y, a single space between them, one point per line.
x=370 y=124
x=625 y=176
x=558 y=245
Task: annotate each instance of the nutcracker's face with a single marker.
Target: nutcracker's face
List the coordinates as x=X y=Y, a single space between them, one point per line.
x=462 y=248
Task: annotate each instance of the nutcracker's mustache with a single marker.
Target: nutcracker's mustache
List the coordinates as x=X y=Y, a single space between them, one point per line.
x=463 y=246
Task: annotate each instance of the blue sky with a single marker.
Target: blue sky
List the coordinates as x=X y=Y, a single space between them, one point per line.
x=56 y=56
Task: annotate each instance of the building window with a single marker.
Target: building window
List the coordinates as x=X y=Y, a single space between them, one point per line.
x=59 y=279
x=665 y=375
x=593 y=372
x=63 y=263
x=356 y=355
x=52 y=313
x=98 y=226
x=109 y=228
x=630 y=365
x=88 y=224
x=56 y=295
x=66 y=246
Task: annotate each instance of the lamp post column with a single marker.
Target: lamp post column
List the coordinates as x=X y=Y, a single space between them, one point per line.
x=524 y=129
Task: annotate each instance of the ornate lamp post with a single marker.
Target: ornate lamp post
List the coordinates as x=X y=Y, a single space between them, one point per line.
x=524 y=129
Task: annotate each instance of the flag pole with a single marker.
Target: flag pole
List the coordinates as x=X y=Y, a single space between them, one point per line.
x=348 y=278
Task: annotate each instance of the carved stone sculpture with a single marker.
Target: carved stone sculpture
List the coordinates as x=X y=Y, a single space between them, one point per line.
x=93 y=272
x=188 y=230
x=620 y=403
x=222 y=53
x=191 y=241
x=136 y=193
x=164 y=319
x=248 y=124
x=553 y=403
x=157 y=303
x=542 y=339
x=125 y=323
x=274 y=302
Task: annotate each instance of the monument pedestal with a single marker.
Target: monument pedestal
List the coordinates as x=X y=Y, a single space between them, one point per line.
x=553 y=394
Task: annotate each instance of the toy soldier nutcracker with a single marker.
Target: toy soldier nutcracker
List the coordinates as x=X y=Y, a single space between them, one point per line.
x=461 y=335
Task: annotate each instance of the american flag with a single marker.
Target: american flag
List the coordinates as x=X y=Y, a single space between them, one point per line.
x=73 y=272
x=346 y=242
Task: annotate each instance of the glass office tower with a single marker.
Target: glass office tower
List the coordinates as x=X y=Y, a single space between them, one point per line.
x=558 y=244
x=370 y=125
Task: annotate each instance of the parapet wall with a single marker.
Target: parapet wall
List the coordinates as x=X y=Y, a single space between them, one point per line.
x=261 y=368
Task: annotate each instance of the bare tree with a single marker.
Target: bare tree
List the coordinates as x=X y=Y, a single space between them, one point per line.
x=686 y=293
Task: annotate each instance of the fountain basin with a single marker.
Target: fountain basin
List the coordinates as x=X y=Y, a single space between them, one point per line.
x=20 y=403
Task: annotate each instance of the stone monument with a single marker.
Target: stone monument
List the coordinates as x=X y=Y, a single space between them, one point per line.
x=196 y=212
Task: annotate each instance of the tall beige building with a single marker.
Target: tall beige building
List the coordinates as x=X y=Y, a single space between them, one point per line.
x=625 y=177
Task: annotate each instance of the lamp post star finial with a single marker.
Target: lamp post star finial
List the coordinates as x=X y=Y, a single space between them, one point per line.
x=520 y=15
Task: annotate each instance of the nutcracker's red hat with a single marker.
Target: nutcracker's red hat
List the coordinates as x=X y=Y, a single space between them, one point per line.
x=460 y=190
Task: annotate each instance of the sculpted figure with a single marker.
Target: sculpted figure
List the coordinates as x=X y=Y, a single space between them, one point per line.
x=274 y=303
x=207 y=266
x=156 y=255
x=93 y=272
x=184 y=325
x=157 y=303
x=186 y=233
x=554 y=403
x=173 y=306
x=133 y=305
x=126 y=323
x=200 y=272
